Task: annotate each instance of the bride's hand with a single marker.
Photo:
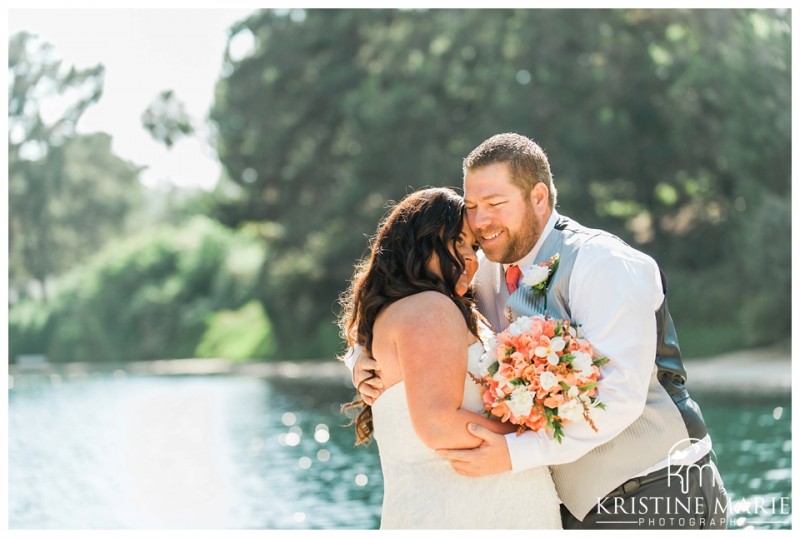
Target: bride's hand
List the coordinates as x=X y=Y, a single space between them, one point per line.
x=491 y=457
x=366 y=377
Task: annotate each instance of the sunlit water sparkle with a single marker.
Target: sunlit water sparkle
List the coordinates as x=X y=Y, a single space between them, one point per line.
x=117 y=451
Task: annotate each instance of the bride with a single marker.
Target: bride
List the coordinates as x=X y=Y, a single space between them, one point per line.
x=409 y=305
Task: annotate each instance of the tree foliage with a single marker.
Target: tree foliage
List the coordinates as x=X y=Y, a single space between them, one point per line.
x=166 y=119
x=668 y=127
x=150 y=296
x=68 y=193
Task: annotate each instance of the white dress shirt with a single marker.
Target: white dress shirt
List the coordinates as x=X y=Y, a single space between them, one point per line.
x=614 y=292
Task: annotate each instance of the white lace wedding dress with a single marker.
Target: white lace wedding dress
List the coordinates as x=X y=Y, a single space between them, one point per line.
x=422 y=491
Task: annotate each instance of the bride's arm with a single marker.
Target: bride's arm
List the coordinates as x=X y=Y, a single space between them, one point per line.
x=431 y=342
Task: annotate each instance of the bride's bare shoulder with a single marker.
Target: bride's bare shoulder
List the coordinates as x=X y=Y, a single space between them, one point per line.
x=423 y=302
x=421 y=309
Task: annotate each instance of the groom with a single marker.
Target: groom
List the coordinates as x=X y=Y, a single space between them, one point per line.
x=648 y=465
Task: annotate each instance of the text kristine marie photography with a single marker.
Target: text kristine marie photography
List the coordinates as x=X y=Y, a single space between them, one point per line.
x=690 y=511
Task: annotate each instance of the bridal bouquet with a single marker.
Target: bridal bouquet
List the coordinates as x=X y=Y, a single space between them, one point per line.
x=539 y=373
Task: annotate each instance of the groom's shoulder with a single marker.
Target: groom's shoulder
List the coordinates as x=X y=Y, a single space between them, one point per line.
x=609 y=251
x=570 y=226
x=592 y=237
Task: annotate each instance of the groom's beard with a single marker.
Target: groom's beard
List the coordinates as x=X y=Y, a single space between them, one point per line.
x=522 y=241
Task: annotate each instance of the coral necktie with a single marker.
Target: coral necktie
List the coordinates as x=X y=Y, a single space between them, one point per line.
x=513 y=273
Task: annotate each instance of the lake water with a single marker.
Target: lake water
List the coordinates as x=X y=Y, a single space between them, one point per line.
x=229 y=452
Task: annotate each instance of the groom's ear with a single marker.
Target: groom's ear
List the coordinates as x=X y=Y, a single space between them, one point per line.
x=540 y=198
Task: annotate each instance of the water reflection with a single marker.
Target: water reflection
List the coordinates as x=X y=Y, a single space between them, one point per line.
x=123 y=451
x=752 y=442
x=307 y=474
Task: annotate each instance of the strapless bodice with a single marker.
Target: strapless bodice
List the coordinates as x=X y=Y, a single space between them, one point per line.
x=421 y=489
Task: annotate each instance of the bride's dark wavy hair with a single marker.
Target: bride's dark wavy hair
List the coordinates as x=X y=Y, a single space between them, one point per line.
x=424 y=223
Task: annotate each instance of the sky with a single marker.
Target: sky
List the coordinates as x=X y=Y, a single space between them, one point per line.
x=144 y=51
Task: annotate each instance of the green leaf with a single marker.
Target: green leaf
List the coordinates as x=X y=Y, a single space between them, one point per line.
x=558 y=431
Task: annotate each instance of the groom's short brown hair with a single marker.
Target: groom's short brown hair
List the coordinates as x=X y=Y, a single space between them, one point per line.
x=526 y=161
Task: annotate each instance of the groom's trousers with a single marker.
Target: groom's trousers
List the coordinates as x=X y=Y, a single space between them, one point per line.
x=678 y=497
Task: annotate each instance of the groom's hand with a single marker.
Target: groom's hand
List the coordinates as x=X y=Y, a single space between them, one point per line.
x=366 y=377
x=491 y=457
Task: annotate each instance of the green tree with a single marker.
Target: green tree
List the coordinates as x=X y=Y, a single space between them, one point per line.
x=659 y=124
x=166 y=119
x=67 y=192
x=152 y=295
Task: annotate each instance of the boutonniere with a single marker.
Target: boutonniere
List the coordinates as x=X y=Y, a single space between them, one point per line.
x=539 y=276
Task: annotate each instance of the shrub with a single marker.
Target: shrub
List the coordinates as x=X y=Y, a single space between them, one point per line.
x=238 y=334
x=150 y=296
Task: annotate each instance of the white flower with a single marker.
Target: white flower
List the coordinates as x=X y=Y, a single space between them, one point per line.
x=489 y=345
x=536 y=275
x=556 y=344
x=573 y=391
x=571 y=410
x=521 y=402
x=582 y=365
x=521 y=325
x=548 y=380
